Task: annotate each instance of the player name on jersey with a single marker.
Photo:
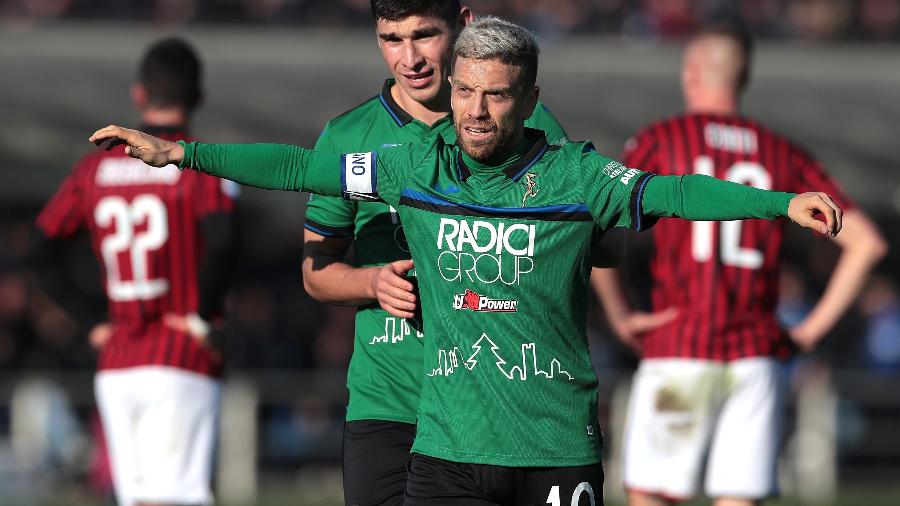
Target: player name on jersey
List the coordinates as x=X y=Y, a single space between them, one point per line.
x=130 y=171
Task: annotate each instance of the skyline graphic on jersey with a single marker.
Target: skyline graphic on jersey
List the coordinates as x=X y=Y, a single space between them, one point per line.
x=450 y=360
x=391 y=334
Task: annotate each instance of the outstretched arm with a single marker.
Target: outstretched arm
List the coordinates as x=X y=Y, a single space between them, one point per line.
x=697 y=197
x=269 y=166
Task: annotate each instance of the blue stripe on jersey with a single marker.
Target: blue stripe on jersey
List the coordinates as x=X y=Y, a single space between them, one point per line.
x=638 y=203
x=531 y=164
x=559 y=208
x=388 y=109
x=327 y=233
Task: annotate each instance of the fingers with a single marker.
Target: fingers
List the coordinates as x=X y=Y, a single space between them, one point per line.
x=803 y=208
x=402 y=266
x=395 y=285
x=100 y=335
x=176 y=322
x=820 y=205
x=396 y=311
x=396 y=301
x=643 y=322
x=838 y=213
x=107 y=132
x=394 y=291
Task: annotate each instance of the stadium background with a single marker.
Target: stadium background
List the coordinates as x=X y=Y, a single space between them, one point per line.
x=826 y=73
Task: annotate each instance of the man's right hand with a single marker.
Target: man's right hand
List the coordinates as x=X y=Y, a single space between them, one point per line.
x=393 y=290
x=99 y=335
x=630 y=328
x=150 y=150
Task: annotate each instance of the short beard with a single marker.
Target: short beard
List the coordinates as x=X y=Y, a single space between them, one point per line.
x=487 y=150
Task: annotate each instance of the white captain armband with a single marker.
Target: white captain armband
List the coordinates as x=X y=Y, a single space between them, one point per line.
x=359 y=176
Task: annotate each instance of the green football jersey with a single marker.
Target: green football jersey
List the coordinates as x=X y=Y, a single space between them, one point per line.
x=502 y=258
x=385 y=373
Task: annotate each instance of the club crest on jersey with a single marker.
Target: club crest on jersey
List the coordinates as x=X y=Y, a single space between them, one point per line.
x=530 y=184
x=475 y=302
x=358 y=176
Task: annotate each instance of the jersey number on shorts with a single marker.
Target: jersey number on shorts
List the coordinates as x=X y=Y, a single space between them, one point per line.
x=732 y=253
x=124 y=217
x=583 y=487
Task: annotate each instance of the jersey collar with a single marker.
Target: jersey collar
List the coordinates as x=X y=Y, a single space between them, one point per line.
x=516 y=170
x=391 y=106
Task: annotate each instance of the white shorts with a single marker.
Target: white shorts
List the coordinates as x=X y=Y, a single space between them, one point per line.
x=684 y=414
x=160 y=425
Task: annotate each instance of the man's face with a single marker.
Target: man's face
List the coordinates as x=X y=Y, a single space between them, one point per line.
x=417 y=51
x=489 y=106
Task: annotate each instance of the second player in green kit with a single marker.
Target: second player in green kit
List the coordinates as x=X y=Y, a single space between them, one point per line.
x=385 y=374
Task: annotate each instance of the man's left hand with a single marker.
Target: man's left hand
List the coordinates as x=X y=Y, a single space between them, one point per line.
x=803 y=208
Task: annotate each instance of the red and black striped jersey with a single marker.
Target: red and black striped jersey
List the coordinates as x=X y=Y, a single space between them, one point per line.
x=722 y=276
x=144 y=225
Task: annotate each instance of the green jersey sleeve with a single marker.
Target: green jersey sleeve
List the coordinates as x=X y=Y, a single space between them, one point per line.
x=543 y=119
x=618 y=196
x=698 y=197
x=612 y=191
x=329 y=216
x=370 y=176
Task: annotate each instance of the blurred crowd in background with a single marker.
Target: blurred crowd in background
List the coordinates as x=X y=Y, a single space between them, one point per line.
x=783 y=19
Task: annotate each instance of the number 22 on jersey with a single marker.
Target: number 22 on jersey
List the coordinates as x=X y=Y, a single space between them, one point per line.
x=732 y=253
x=124 y=218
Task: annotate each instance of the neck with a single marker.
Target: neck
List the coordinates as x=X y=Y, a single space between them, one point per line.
x=427 y=113
x=713 y=103
x=164 y=117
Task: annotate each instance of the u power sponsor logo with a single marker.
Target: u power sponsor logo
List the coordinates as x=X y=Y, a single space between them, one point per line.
x=474 y=302
x=482 y=252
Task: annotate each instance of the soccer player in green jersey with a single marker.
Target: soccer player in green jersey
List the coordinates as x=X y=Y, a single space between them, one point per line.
x=507 y=412
x=385 y=375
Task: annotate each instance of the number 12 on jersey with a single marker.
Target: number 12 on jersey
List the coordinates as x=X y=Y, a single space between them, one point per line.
x=732 y=253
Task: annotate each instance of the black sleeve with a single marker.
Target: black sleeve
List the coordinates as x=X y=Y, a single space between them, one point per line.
x=220 y=233
x=46 y=258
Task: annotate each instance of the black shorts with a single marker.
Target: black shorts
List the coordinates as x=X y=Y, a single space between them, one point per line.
x=437 y=482
x=376 y=453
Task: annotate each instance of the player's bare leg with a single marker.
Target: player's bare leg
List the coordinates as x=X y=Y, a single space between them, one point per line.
x=641 y=499
x=733 y=501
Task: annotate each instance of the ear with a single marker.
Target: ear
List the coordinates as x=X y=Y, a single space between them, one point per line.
x=465 y=17
x=690 y=75
x=139 y=96
x=531 y=101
